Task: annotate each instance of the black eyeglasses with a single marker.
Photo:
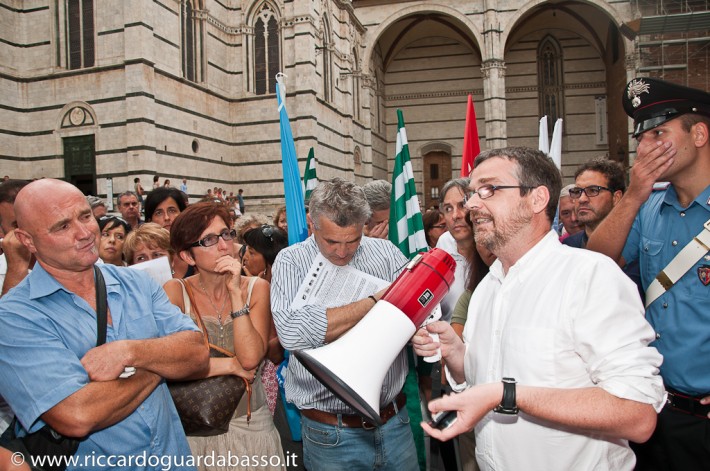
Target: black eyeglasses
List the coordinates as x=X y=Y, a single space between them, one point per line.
x=266 y=230
x=486 y=191
x=590 y=191
x=212 y=239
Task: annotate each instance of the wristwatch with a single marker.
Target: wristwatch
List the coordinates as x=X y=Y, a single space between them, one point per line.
x=507 y=404
x=242 y=312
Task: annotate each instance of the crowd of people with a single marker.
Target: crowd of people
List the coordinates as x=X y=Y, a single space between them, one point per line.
x=585 y=349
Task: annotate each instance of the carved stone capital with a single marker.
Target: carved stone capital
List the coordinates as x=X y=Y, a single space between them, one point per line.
x=493 y=66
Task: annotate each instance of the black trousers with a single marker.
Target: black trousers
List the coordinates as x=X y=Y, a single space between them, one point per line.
x=681 y=442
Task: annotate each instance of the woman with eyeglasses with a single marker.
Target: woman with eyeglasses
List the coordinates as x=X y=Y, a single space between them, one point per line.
x=113 y=230
x=434 y=226
x=237 y=315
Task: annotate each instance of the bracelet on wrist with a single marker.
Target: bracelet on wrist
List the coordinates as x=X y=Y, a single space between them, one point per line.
x=242 y=312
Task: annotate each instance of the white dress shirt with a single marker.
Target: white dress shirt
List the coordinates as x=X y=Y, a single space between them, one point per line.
x=3 y=269
x=448 y=243
x=560 y=318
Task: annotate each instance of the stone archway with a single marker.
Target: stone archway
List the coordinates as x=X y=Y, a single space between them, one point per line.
x=429 y=59
x=592 y=58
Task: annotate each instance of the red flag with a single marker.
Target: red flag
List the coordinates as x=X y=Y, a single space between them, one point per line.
x=471 y=146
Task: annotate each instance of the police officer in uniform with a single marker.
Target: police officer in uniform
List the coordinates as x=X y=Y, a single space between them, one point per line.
x=672 y=127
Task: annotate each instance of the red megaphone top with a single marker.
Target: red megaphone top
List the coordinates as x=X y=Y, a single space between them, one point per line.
x=422 y=285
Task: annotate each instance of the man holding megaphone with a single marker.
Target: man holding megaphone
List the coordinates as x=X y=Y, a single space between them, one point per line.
x=556 y=371
x=335 y=436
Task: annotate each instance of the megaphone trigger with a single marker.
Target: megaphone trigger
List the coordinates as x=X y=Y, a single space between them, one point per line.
x=416 y=259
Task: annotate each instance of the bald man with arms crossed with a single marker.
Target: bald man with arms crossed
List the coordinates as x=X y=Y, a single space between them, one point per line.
x=52 y=372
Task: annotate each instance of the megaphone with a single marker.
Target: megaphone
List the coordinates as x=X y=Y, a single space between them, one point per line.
x=354 y=366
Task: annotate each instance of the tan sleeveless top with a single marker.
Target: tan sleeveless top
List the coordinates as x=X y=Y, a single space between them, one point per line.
x=223 y=336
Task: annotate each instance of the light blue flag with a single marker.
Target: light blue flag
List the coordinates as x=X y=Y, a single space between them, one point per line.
x=293 y=191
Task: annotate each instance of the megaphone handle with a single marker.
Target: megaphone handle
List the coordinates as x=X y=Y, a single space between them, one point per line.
x=437 y=356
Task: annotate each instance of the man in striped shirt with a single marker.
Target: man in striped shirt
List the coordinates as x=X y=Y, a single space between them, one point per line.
x=334 y=436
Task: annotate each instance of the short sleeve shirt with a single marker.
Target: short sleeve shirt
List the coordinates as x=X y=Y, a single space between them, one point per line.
x=45 y=330
x=681 y=316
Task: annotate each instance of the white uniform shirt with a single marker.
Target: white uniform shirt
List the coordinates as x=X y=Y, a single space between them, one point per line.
x=561 y=318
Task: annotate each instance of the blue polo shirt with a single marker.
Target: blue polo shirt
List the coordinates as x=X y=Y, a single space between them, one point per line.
x=681 y=316
x=45 y=330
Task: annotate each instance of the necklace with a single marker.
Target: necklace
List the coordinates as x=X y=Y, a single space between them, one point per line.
x=217 y=311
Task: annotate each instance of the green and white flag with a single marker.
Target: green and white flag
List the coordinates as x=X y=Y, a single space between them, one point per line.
x=310 y=179
x=406 y=229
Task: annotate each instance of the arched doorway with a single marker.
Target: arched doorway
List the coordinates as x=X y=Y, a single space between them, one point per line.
x=437 y=171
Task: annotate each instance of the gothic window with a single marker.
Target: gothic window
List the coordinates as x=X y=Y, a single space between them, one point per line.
x=267 y=52
x=380 y=106
x=80 y=33
x=189 y=41
x=550 y=80
x=356 y=85
x=327 y=78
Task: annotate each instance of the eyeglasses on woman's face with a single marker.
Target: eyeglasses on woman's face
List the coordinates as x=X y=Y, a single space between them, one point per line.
x=212 y=239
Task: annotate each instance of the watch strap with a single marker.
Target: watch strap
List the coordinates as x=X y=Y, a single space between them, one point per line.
x=508 y=403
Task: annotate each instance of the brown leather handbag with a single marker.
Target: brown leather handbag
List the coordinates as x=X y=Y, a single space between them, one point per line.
x=206 y=406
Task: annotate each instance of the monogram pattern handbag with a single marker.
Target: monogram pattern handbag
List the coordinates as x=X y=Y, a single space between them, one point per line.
x=206 y=406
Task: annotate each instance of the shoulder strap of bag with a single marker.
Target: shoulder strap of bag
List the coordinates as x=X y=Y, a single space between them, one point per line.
x=101 y=307
x=196 y=312
x=186 y=301
x=249 y=288
x=698 y=247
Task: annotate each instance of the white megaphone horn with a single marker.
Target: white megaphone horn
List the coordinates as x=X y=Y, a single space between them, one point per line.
x=354 y=366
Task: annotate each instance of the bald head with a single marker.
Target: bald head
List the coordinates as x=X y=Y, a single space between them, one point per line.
x=56 y=224
x=32 y=199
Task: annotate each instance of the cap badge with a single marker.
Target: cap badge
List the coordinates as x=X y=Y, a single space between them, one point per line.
x=636 y=88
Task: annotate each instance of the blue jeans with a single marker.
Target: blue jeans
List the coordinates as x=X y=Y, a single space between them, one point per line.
x=331 y=447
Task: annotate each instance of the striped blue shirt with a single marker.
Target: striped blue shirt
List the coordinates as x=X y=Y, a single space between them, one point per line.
x=306 y=327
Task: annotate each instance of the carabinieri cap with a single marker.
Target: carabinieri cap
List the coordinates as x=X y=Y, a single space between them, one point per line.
x=651 y=102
